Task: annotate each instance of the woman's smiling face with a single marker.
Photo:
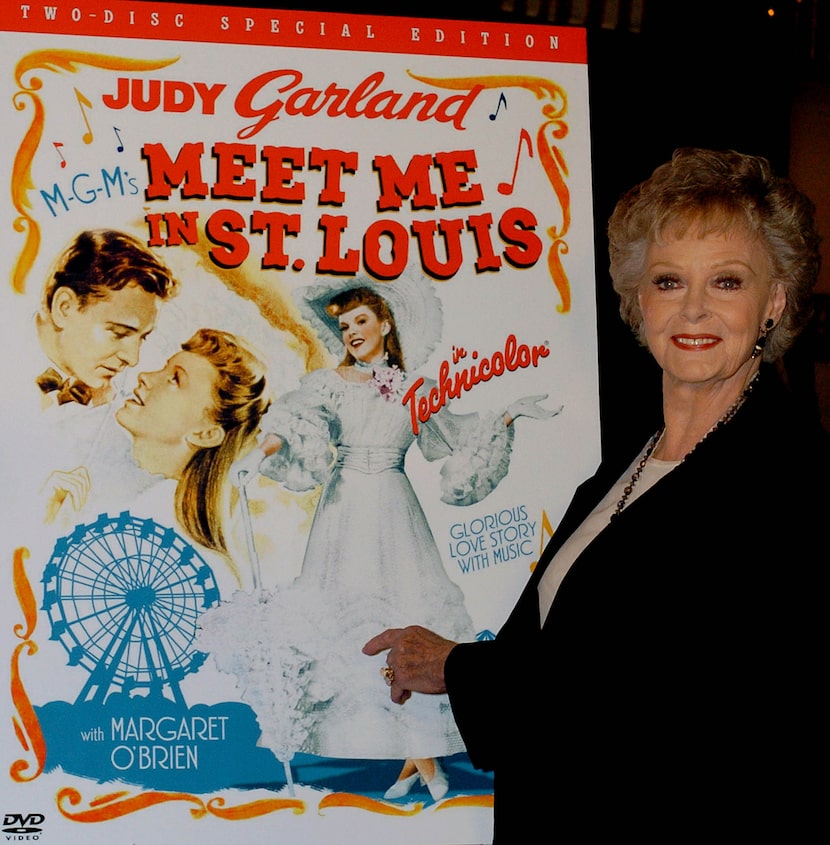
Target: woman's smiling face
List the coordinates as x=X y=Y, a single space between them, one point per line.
x=363 y=334
x=704 y=299
x=170 y=405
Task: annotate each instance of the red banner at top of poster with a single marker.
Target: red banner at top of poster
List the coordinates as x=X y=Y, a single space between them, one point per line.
x=291 y=28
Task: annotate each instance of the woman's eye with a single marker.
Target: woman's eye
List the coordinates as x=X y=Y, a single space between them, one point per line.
x=666 y=282
x=728 y=282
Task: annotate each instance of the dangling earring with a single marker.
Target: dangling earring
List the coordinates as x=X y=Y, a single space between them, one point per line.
x=762 y=338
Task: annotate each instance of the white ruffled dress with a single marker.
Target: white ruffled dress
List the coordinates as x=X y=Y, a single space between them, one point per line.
x=371 y=563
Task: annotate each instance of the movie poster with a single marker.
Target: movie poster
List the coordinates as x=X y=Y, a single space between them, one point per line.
x=299 y=344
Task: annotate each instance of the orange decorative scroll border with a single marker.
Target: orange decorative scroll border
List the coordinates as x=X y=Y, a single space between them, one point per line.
x=481 y=800
x=553 y=128
x=118 y=804
x=26 y=725
x=55 y=61
x=373 y=805
x=363 y=802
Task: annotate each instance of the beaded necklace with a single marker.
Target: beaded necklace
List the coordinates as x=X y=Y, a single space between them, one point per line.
x=652 y=444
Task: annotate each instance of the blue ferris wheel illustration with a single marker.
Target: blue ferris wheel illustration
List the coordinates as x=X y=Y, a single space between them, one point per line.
x=123 y=596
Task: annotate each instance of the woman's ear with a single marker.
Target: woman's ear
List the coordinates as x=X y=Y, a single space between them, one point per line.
x=208 y=437
x=385 y=328
x=778 y=302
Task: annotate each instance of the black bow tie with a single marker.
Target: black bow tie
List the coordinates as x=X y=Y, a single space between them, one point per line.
x=68 y=391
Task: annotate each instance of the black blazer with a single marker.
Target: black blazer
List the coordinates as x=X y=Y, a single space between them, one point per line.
x=675 y=684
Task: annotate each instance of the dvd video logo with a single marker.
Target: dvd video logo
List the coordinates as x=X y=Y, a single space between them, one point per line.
x=20 y=824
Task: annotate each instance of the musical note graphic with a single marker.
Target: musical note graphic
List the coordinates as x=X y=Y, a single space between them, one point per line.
x=524 y=137
x=82 y=101
x=502 y=99
x=120 y=146
x=545 y=534
x=57 y=145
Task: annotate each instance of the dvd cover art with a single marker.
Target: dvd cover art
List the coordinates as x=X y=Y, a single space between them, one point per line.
x=299 y=327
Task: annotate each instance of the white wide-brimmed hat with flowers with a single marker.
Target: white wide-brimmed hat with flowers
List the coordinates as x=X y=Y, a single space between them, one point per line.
x=411 y=298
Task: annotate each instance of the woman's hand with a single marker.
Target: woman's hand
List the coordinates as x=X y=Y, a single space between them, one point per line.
x=245 y=469
x=528 y=406
x=416 y=657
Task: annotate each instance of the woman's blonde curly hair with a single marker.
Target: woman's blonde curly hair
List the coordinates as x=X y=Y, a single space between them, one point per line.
x=716 y=191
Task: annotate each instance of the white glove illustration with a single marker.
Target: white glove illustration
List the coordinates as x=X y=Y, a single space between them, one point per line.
x=528 y=406
x=245 y=469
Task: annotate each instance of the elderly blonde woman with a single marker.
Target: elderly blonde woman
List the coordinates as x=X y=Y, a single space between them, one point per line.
x=660 y=676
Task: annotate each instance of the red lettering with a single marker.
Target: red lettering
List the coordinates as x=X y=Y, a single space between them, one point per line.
x=455 y=167
x=154 y=222
x=363 y=90
x=178 y=96
x=410 y=398
x=517 y=227
x=436 y=401
x=497 y=363
x=424 y=231
x=449 y=386
x=399 y=249
x=276 y=225
x=244 y=103
x=280 y=165
x=333 y=226
x=223 y=228
x=231 y=161
x=395 y=185
x=362 y=101
x=153 y=98
x=479 y=225
x=333 y=163
x=165 y=173
x=181 y=228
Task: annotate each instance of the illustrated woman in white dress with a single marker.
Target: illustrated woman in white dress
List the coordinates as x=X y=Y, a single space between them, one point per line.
x=371 y=558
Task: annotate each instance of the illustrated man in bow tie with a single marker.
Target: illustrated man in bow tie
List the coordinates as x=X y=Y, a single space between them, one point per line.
x=98 y=307
x=99 y=304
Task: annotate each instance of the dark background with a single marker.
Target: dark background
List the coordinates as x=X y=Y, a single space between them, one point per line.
x=663 y=74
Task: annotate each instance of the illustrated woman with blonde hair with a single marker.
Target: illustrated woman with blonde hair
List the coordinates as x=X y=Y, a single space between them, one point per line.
x=190 y=421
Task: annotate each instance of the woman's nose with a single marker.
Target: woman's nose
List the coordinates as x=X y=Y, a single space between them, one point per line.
x=695 y=302
x=149 y=378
